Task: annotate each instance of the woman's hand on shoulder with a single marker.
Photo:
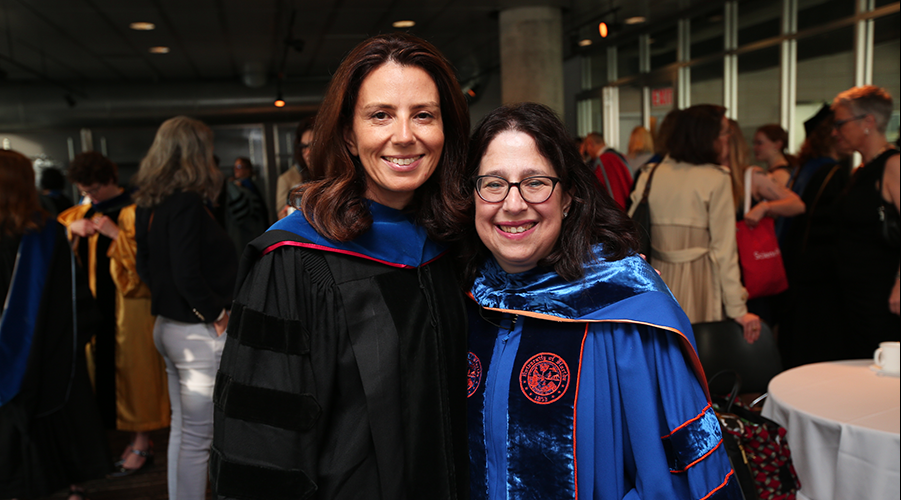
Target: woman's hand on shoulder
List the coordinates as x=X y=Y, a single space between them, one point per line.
x=750 y=323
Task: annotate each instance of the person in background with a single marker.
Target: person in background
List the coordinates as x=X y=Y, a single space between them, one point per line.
x=770 y=143
x=584 y=380
x=866 y=266
x=52 y=185
x=128 y=374
x=246 y=213
x=809 y=331
x=189 y=263
x=693 y=220
x=299 y=172
x=345 y=367
x=769 y=199
x=641 y=149
x=609 y=167
x=51 y=432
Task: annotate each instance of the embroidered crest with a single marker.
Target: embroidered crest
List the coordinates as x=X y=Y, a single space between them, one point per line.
x=473 y=375
x=544 y=378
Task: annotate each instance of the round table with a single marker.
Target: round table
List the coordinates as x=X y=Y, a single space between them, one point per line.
x=843 y=422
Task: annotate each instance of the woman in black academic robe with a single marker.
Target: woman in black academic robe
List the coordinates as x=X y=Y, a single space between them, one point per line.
x=50 y=427
x=344 y=371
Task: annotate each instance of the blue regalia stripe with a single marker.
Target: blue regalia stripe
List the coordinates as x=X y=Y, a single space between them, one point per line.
x=23 y=301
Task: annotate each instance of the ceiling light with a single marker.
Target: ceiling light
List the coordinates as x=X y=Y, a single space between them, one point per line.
x=159 y=50
x=142 y=26
x=584 y=43
x=603 y=30
x=635 y=20
x=279 y=103
x=404 y=24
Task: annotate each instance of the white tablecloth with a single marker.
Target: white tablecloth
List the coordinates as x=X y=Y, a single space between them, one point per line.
x=843 y=423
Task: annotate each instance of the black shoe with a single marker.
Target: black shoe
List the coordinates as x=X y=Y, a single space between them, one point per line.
x=122 y=471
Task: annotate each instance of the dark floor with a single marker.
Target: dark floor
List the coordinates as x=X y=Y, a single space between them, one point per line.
x=147 y=484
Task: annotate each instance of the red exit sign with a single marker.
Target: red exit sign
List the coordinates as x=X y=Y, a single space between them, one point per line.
x=662 y=97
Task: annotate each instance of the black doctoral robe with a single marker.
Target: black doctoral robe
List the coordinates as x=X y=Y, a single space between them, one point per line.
x=343 y=377
x=50 y=433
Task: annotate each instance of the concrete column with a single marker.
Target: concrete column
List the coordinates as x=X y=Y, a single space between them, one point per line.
x=531 y=43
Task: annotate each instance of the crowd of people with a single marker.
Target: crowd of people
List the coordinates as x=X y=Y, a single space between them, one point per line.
x=435 y=314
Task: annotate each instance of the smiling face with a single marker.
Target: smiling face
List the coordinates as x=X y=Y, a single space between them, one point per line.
x=764 y=148
x=397 y=132
x=519 y=234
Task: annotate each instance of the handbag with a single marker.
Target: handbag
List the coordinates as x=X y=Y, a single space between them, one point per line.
x=762 y=270
x=756 y=447
x=642 y=216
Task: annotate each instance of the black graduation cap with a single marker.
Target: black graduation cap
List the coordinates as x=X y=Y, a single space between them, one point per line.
x=813 y=122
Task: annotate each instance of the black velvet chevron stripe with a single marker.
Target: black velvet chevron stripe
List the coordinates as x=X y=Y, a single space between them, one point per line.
x=255 y=329
x=244 y=481
x=266 y=406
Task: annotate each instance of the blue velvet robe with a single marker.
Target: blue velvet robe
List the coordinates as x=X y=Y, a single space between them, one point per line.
x=590 y=389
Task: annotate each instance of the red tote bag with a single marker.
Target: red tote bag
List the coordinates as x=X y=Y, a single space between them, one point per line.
x=762 y=270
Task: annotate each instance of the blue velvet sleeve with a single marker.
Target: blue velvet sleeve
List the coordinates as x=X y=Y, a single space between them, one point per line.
x=639 y=397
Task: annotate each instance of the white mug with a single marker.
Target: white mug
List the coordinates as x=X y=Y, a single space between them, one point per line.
x=888 y=357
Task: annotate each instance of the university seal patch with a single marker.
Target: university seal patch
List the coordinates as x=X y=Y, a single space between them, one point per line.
x=544 y=378
x=474 y=375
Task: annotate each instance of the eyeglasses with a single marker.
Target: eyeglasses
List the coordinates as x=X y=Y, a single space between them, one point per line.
x=91 y=191
x=535 y=189
x=838 y=124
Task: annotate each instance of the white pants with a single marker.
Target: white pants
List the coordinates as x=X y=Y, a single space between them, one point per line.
x=192 y=352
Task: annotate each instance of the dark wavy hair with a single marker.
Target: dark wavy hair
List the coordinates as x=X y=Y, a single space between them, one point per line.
x=20 y=210
x=593 y=215
x=91 y=167
x=335 y=204
x=694 y=134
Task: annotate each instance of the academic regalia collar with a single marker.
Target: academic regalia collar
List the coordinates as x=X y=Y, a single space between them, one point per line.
x=394 y=239
x=121 y=200
x=609 y=291
x=623 y=291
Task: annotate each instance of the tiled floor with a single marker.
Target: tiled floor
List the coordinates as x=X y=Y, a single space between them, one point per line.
x=148 y=484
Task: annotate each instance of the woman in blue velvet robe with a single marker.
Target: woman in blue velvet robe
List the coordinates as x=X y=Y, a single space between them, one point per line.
x=584 y=380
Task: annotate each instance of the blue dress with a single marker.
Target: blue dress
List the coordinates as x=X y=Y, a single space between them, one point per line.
x=589 y=389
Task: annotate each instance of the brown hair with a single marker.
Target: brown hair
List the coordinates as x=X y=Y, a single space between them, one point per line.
x=664 y=131
x=20 y=210
x=335 y=205
x=776 y=133
x=306 y=172
x=694 y=135
x=739 y=160
x=91 y=167
x=820 y=143
x=867 y=100
x=180 y=159
x=593 y=215
x=640 y=141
